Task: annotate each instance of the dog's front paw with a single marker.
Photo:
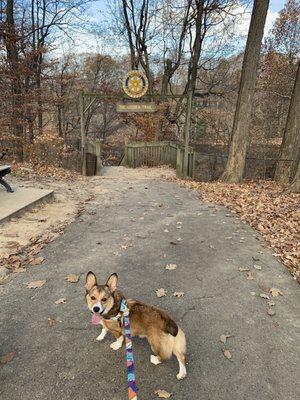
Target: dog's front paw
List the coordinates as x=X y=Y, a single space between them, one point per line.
x=102 y=335
x=117 y=344
x=181 y=375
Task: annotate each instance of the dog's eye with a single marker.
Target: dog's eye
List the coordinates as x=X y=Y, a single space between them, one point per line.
x=104 y=299
x=93 y=297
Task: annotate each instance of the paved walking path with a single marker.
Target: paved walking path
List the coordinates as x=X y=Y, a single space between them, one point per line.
x=135 y=228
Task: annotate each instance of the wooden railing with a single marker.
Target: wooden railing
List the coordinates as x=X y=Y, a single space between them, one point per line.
x=151 y=154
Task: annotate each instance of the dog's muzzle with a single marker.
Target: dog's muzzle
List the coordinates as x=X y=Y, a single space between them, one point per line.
x=97 y=309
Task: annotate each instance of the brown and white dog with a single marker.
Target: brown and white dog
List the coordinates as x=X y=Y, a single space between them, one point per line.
x=162 y=333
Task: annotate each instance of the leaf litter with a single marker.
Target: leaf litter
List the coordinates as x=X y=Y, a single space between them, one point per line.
x=161 y=292
x=275 y=216
x=171 y=267
x=72 y=278
x=36 y=284
x=163 y=394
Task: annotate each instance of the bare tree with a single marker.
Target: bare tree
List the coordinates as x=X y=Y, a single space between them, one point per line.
x=240 y=134
x=290 y=148
x=11 y=43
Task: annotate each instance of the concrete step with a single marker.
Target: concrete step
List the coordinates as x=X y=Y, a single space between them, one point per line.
x=23 y=199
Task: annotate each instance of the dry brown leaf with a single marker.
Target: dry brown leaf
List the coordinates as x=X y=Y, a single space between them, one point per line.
x=178 y=294
x=227 y=354
x=163 y=394
x=60 y=301
x=19 y=270
x=271 y=312
x=35 y=284
x=7 y=357
x=223 y=338
x=12 y=244
x=250 y=277
x=264 y=296
x=37 y=261
x=50 y=321
x=171 y=267
x=161 y=292
x=276 y=292
x=72 y=278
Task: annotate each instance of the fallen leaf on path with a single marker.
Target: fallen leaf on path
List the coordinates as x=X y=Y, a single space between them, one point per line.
x=276 y=292
x=161 y=292
x=264 y=296
x=223 y=338
x=178 y=294
x=7 y=357
x=227 y=354
x=50 y=321
x=72 y=278
x=60 y=301
x=250 y=277
x=19 y=270
x=171 y=267
x=37 y=261
x=35 y=284
x=163 y=394
x=271 y=312
x=12 y=244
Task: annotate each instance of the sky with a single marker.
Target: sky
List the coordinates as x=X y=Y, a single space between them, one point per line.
x=98 y=12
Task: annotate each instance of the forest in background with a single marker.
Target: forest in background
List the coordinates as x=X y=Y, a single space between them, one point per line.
x=176 y=46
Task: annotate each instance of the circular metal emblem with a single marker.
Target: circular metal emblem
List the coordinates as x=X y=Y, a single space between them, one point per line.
x=135 y=84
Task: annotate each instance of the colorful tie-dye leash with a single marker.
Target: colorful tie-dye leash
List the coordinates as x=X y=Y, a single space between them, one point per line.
x=132 y=388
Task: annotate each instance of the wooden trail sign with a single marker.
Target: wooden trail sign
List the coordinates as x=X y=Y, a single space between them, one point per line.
x=136 y=107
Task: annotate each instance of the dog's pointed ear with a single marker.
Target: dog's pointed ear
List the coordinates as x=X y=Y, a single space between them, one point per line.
x=112 y=282
x=91 y=280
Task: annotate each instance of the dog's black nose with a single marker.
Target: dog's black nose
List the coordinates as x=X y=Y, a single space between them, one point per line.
x=96 y=309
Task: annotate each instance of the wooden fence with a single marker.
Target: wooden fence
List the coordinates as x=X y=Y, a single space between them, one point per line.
x=151 y=154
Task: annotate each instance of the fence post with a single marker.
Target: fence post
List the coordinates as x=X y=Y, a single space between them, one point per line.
x=126 y=152
x=179 y=162
x=187 y=127
x=83 y=135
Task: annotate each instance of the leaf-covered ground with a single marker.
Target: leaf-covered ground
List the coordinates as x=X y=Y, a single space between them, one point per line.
x=272 y=212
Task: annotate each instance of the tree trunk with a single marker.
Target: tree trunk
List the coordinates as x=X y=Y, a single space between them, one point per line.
x=191 y=84
x=285 y=170
x=13 y=61
x=295 y=185
x=240 y=134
